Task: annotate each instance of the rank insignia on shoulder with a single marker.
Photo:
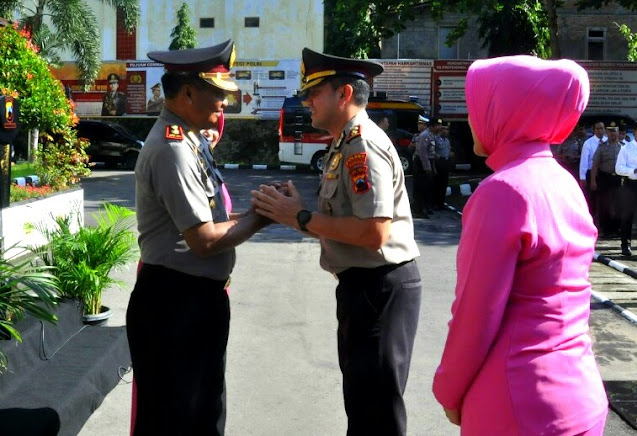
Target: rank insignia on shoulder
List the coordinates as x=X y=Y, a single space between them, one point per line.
x=353 y=133
x=356 y=160
x=359 y=179
x=174 y=132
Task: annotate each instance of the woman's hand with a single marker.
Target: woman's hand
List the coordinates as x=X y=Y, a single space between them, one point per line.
x=453 y=415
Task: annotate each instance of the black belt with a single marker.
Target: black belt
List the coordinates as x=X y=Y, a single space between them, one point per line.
x=356 y=272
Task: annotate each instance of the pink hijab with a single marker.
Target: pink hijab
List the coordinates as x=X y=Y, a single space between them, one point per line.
x=525 y=101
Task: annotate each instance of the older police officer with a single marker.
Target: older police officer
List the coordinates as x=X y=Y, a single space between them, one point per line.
x=178 y=316
x=365 y=227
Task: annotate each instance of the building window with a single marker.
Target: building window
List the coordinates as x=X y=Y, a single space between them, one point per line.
x=252 y=21
x=207 y=23
x=125 y=44
x=596 y=43
x=445 y=52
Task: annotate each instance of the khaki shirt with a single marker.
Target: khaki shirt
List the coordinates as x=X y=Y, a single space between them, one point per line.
x=606 y=156
x=176 y=190
x=363 y=177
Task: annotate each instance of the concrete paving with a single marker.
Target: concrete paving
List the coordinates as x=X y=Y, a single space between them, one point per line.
x=282 y=369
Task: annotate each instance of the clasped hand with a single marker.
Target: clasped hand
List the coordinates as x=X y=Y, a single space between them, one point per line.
x=279 y=202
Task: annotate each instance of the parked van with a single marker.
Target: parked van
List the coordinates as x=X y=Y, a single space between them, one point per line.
x=302 y=144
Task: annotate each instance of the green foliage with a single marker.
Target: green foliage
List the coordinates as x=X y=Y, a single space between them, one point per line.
x=354 y=28
x=74 y=27
x=26 y=76
x=84 y=260
x=25 y=288
x=506 y=27
x=183 y=35
x=22 y=169
x=61 y=159
x=511 y=29
x=631 y=39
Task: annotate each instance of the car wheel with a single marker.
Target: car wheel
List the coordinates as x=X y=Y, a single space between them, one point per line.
x=405 y=161
x=130 y=159
x=318 y=161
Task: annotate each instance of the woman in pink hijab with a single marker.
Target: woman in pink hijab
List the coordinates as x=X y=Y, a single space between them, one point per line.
x=518 y=357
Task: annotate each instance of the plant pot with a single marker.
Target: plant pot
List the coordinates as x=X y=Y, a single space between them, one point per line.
x=98 y=319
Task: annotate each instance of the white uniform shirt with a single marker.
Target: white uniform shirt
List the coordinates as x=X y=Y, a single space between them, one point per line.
x=588 y=151
x=627 y=160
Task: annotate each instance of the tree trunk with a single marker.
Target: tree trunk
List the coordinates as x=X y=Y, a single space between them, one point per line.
x=556 y=52
x=34 y=135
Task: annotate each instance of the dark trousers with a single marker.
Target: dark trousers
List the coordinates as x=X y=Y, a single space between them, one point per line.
x=628 y=198
x=177 y=327
x=591 y=198
x=422 y=187
x=441 y=181
x=377 y=311
x=608 y=202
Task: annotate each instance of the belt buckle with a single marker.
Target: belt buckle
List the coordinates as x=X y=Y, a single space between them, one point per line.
x=227 y=283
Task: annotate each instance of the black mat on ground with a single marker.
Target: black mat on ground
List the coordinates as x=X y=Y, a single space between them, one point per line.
x=622 y=396
x=39 y=340
x=39 y=396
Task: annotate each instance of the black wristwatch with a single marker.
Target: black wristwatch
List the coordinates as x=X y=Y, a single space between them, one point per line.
x=303 y=218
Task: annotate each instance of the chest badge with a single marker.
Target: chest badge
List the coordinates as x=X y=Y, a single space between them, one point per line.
x=212 y=203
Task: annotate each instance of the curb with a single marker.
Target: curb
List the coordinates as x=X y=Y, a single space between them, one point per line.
x=261 y=167
x=630 y=316
x=464 y=189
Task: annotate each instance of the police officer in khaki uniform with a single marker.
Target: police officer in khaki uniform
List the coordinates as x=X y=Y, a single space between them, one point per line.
x=365 y=227
x=187 y=242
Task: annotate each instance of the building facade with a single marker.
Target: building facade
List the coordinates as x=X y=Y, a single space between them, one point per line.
x=584 y=35
x=265 y=29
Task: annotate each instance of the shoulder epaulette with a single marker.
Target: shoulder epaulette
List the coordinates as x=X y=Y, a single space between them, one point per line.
x=174 y=132
x=353 y=133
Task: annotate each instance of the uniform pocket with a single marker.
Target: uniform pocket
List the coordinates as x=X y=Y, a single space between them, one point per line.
x=328 y=188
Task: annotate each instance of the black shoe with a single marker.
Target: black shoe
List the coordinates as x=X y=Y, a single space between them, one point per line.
x=626 y=251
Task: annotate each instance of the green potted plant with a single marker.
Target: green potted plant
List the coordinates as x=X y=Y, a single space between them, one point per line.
x=25 y=288
x=83 y=260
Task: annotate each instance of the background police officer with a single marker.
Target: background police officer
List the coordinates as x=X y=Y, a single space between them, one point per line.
x=187 y=242
x=366 y=231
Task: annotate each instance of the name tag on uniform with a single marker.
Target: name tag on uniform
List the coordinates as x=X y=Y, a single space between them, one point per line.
x=331 y=175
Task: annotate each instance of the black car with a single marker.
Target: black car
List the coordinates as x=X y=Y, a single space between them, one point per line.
x=110 y=143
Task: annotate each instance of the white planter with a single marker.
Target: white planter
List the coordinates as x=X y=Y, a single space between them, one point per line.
x=18 y=220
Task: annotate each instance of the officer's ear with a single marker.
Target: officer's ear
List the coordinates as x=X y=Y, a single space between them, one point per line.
x=187 y=92
x=347 y=92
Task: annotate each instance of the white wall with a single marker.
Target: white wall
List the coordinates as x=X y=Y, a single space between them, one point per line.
x=286 y=26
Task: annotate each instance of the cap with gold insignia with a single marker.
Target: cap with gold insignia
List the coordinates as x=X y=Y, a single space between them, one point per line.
x=210 y=63
x=155 y=86
x=436 y=121
x=317 y=67
x=612 y=126
x=622 y=126
x=112 y=78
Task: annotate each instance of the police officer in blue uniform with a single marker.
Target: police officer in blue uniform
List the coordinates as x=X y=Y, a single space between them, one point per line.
x=364 y=224
x=187 y=242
